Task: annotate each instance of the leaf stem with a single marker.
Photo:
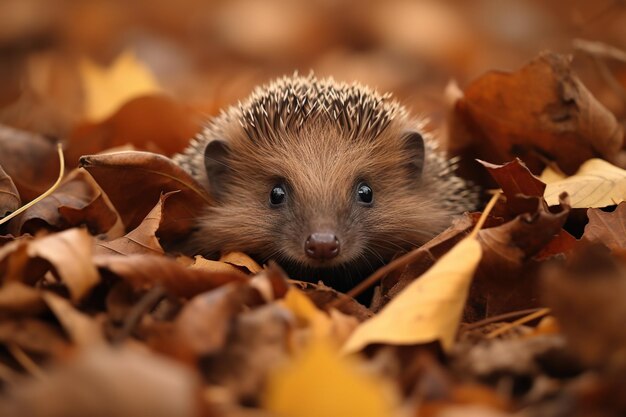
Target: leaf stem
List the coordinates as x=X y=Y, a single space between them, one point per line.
x=44 y=195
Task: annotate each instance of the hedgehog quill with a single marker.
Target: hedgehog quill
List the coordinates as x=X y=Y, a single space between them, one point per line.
x=331 y=180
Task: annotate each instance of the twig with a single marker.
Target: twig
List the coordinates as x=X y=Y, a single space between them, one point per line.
x=147 y=302
x=499 y=317
x=509 y=326
x=483 y=217
x=25 y=361
x=7 y=375
x=44 y=195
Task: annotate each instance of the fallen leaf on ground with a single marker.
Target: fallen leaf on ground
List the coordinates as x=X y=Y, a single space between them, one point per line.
x=134 y=124
x=82 y=329
x=607 y=228
x=426 y=256
x=106 y=89
x=78 y=200
x=427 y=310
x=597 y=183
x=324 y=297
x=515 y=178
x=213 y=266
x=321 y=382
x=242 y=260
x=506 y=279
x=142 y=239
x=203 y=324
x=16 y=297
x=148 y=175
x=587 y=298
x=542 y=110
x=33 y=335
x=145 y=271
x=68 y=254
x=9 y=196
x=104 y=382
x=30 y=159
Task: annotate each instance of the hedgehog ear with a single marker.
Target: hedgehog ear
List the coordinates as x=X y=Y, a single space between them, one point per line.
x=414 y=144
x=216 y=164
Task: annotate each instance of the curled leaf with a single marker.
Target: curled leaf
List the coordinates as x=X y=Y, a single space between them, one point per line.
x=148 y=175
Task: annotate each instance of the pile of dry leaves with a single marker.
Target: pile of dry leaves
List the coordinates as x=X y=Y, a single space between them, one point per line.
x=519 y=311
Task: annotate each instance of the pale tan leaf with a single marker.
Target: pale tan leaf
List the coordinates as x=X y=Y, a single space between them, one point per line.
x=204 y=264
x=242 y=260
x=427 y=310
x=597 y=183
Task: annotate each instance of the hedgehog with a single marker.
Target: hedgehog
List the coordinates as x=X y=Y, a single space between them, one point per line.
x=331 y=180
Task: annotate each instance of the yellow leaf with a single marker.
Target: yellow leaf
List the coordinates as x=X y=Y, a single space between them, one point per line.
x=427 y=310
x=107 y=89
x=306 y=311
x=322 y=383
x=596 y=184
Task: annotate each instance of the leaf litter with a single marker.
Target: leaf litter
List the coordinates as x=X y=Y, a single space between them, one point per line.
x=99 y=314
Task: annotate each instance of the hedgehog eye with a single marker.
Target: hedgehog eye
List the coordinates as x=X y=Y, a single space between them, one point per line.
x=365 y=194
x=277 y=195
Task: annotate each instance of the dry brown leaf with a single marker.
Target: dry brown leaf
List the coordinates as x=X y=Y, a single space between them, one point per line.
x=148 y=175
x=426 y=256
x=587 y=298
x=78 y=201
x=18 y=298
x=135 y=124
x=82 y=329
x=68 y=254
x=271 y=283
x=258 y=342
x=542 y=110
x=515 y=178
x=597 y=183
x=146 y=271
x=31 y=161
x=242 y=260
x=208 y=265
x=33 y=335
x=108 y=382
x=142 y=239
x=506 y=277
x=607 y=228
x=9 y=196
x=517 y=183
x=203 y=324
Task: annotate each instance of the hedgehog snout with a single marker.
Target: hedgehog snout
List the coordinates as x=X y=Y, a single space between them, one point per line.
x=322 y=246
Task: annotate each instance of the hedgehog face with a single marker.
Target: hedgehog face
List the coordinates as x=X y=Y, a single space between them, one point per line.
x=314 y=201
x=322 y=177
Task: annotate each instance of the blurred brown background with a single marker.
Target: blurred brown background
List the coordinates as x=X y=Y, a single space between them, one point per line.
x=208 y=53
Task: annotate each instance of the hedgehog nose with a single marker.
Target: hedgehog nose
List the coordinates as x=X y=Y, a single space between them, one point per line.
x=322 y=246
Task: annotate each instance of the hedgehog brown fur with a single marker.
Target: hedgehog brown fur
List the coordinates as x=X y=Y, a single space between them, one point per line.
x=319 y=141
